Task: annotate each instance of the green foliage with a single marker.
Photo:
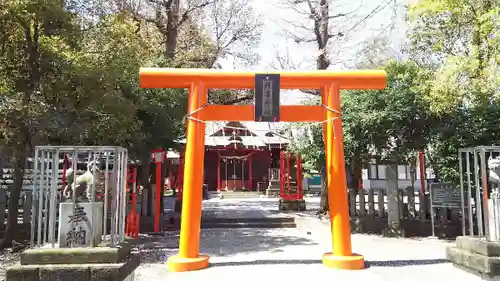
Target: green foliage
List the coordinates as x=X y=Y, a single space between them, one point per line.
x=394 y=122
x=445 y=97
x=69 y=75
x=460 y=39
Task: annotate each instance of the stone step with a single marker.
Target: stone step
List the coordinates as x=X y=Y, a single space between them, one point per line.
x=239 y=194
x=484 y=266
x=101 y=255
x=248 y=220
x=276 y=222
x=478 y=246
x=123 y=271
x=249 y=225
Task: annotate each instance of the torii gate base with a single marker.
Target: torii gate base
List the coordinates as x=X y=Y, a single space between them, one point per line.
x=198 y=81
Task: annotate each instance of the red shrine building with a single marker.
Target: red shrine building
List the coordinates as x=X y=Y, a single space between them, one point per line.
x=239 y=159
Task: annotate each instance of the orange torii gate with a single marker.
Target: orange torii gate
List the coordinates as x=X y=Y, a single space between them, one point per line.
x=197 y=81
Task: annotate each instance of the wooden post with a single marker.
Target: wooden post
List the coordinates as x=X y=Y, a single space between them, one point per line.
x=362 y=203
x=371 y=202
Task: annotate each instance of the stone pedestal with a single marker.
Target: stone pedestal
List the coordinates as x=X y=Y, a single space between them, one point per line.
x=476 y=255
x=79 y=223
x=76 y=264
x=292 y=205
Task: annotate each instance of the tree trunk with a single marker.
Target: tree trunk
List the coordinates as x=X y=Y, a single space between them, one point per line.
x=21 y=148
x=355 y=172
x=172 y=29
x=323 y=203
x=413 y=172
x=14 y=194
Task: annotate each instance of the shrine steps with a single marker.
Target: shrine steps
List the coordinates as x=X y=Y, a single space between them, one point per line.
x=264 y=222
x=237 y=194
x=259 y=222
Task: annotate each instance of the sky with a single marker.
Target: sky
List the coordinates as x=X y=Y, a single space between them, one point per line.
x=278 y=20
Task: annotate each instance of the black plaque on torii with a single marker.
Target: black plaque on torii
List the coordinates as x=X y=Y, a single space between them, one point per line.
x=267 y=98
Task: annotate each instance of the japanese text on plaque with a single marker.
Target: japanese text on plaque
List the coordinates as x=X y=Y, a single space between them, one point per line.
x=267 y=98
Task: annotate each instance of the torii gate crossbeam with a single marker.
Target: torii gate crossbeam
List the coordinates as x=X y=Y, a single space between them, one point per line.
x=328 y=82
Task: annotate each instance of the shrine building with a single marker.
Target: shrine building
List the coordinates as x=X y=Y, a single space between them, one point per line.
x=237 y=158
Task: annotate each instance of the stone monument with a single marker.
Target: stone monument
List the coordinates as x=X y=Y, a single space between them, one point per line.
x=80 y=224
x=81 y=247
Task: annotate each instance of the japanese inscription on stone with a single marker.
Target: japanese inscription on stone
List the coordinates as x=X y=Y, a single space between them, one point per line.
x=79 y=226
x=267 y=93
x=445 y=195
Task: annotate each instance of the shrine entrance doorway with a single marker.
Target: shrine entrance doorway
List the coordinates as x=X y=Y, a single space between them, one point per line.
x=266 y=109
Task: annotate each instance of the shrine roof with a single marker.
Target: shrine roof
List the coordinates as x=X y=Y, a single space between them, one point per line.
x=264 y=134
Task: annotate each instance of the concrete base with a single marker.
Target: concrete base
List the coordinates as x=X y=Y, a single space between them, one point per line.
x=178 y=264
x=477 y=256
x=353 y=262
x=76 y=264
x=178 y=206
x=292 y=205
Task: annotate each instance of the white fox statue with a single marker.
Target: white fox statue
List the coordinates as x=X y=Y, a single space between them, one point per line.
x=82 y=186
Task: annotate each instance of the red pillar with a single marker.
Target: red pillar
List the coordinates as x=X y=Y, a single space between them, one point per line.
x=282 y=174
x=158 y=195
x=250 y=172
x=159 y=156
x=218 y=173
x=288 y=172
x=361 y=178
x=133 y=188
x=299 y=178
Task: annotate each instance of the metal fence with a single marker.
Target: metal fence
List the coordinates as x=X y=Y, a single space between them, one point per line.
x=479 y=168
x=60 y=212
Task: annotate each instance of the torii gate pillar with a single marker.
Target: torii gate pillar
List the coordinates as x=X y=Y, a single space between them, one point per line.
x=330 y=83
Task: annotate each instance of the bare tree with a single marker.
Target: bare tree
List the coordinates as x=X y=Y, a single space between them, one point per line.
x=221 y=27
x=330 y=24
x=235 y=30
x=376 y=52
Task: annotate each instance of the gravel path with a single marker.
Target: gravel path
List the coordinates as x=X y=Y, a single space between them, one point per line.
x=253 y=254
